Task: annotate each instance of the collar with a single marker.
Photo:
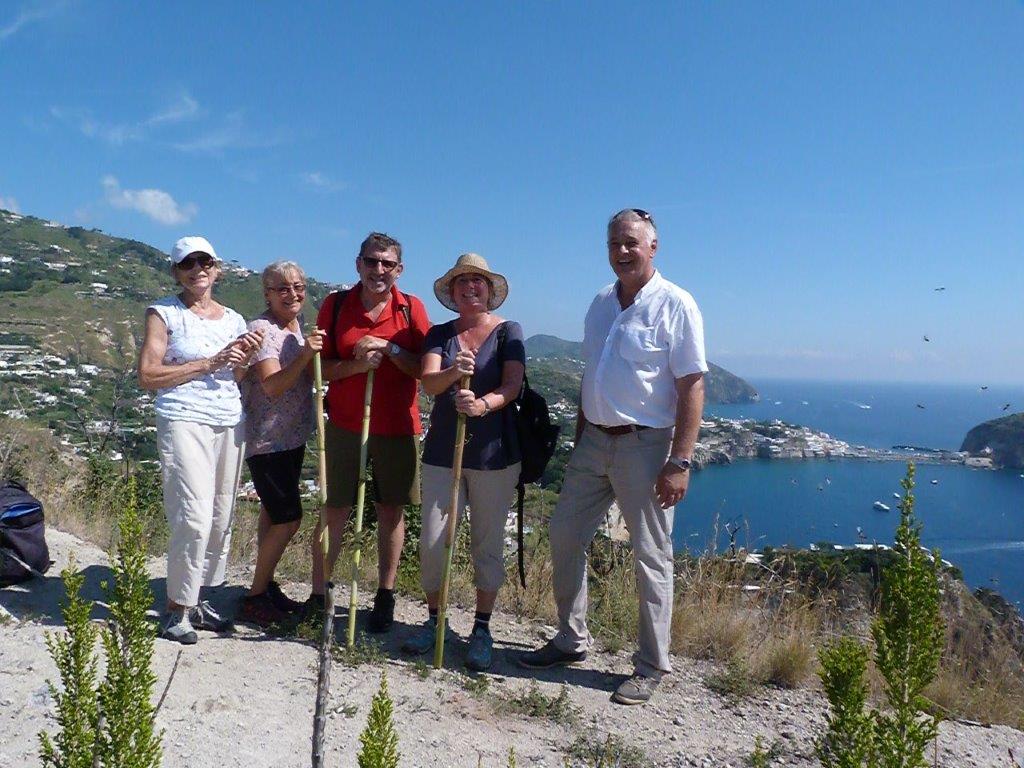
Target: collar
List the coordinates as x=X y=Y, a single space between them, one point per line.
x=649 y=288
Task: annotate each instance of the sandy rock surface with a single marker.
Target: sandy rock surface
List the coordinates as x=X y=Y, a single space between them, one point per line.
x=247 y=700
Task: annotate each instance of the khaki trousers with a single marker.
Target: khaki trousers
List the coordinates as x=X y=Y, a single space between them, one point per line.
x=623 y=468
x=200 y=466
x=489 y=493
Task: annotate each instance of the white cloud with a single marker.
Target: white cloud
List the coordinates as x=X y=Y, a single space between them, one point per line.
x=29 y=15
x=321 y=181
x=155 y=203
x=9 y=204
x=232 y=133
x=180 y=109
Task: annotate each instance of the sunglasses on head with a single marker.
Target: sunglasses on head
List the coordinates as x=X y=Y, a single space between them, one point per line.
x=372 y=261
x=204 y=260
x=643 y=214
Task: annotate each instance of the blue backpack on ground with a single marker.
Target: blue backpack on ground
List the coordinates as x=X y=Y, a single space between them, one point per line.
x=23 y=550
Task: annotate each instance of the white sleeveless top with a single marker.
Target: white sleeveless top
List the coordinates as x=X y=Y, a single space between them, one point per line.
x=211 y=399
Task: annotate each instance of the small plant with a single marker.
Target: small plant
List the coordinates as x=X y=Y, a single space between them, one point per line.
x=613 y=752
x=421 y=669
x=533 y=703
x=761 y=757
x=477 y=685
x=909 y=635
x=379 y=740
x=109 y=723
x=511 y=757
x=363 y=652
x=735 y=682
x=77 y=705
x=129 y=738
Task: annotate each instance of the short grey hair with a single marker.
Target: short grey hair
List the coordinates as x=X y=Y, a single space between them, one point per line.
x=634 y=215
x=280 y=270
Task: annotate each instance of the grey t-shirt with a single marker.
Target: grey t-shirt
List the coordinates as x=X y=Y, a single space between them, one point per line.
x=491 y=440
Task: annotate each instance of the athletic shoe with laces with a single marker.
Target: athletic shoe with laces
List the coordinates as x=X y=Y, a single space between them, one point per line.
x=481 y=644
x=203 y=616
x=260 y=611
x=637 y=689
x=281 y=601
x=550 y=655
x=382 y=615
x=422 y=640
x=178 y=628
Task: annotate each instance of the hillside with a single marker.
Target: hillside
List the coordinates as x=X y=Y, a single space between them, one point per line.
x=1004 y=436
x=563 y=357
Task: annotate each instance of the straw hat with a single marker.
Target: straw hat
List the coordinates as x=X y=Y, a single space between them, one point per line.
x=471 y=263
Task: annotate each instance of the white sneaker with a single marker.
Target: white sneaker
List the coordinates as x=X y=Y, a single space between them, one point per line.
x=178 y=628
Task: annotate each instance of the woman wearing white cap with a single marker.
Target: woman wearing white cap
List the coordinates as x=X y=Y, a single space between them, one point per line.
x=479 y=344
x=194 y=351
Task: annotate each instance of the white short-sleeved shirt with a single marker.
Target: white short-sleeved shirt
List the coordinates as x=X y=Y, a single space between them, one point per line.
x=633 y=356
x=210 y=399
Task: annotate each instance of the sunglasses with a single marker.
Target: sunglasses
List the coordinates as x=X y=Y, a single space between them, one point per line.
x=298 y=289
x=204 y=260
x=384 y=264
x=643 y=214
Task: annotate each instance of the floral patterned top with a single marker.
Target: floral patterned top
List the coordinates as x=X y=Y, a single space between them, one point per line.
x=285 y=422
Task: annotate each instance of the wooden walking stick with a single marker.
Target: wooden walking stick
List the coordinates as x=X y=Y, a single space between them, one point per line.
x=323 y=681
x=364 y=440
x=449 y=541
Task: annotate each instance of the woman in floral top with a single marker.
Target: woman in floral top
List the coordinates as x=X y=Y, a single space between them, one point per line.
x=278 y=399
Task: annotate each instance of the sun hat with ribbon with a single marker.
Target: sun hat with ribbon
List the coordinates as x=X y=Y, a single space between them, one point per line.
x=471 y=264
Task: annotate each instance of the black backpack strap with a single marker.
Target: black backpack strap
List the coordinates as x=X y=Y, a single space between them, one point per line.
x=520 y=498
x=339 y=297
x=406 y=309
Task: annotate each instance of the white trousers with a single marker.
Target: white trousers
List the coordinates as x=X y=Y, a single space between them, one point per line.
x=489 y=493
x=200 y=465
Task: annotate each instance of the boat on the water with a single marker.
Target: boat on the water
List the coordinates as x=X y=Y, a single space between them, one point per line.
x=880 y=506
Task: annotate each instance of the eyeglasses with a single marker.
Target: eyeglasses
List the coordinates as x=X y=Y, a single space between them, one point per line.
x=384 y=264
x=299 y=289
x=643 y=215
x=204 y=260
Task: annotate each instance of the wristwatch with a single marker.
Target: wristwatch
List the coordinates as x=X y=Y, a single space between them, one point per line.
x=393 y=349
x=683 y=464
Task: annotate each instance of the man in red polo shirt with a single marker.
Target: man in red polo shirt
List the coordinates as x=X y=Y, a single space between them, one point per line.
x=379 y=328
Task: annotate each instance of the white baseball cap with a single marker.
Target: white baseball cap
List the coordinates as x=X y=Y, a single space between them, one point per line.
x=189 y=245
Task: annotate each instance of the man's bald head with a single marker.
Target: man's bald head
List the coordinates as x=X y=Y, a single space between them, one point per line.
x=634 y=215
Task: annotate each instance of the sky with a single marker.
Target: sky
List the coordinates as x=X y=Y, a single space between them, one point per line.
x=815 y=169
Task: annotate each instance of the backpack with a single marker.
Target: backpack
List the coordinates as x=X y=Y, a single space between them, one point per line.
x=23 y=550
x=538 y=439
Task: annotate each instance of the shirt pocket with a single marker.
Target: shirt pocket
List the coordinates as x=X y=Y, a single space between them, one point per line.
x=641 y=345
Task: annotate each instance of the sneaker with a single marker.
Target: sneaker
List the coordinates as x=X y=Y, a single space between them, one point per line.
x=481 y=644
x=550 y=655
x=203 y=616
x=637 y=689
x=260 y=611
x=282 y=602
x=382 y=615
x=422 y=640
x=178 y=628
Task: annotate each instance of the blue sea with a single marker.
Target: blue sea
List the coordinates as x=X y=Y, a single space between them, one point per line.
x=975 y=517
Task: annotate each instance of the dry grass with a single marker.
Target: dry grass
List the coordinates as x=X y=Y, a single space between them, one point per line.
x=769 y=634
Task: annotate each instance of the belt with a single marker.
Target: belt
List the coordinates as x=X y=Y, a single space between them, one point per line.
x=624 y=429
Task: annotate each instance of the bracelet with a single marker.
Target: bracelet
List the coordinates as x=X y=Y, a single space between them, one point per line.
x=487 y=408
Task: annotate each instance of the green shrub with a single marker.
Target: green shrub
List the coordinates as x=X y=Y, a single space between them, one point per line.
x=379 y=740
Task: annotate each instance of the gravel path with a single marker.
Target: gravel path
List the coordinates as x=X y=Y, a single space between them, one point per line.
x=247 y=700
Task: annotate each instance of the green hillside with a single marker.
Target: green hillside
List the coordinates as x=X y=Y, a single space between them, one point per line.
x=557 y=359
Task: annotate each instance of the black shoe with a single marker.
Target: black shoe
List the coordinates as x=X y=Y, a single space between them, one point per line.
x=282 y=602
x=382 y=615
x=550 y=655
x=314 y=606
x=260 y=611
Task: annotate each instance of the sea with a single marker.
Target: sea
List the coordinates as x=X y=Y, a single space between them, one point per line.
x=974 y=517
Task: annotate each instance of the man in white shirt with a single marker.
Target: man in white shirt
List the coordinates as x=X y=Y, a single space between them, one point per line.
x=641 y=404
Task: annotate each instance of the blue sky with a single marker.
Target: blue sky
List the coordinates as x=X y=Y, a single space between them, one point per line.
x=815 y=169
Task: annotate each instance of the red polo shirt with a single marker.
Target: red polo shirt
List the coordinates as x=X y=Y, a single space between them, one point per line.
x=393 y=408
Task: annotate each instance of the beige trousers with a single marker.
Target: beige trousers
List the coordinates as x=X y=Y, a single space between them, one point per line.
x=623 y=468
x=489 y=494
x=200 y=465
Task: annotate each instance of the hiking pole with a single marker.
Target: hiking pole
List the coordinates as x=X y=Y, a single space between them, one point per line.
x=449 y=541
x=323 y=680
x=364 y=439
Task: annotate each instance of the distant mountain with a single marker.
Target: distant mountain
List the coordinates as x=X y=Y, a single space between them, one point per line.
x=1005 y=436
x=557 y=356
